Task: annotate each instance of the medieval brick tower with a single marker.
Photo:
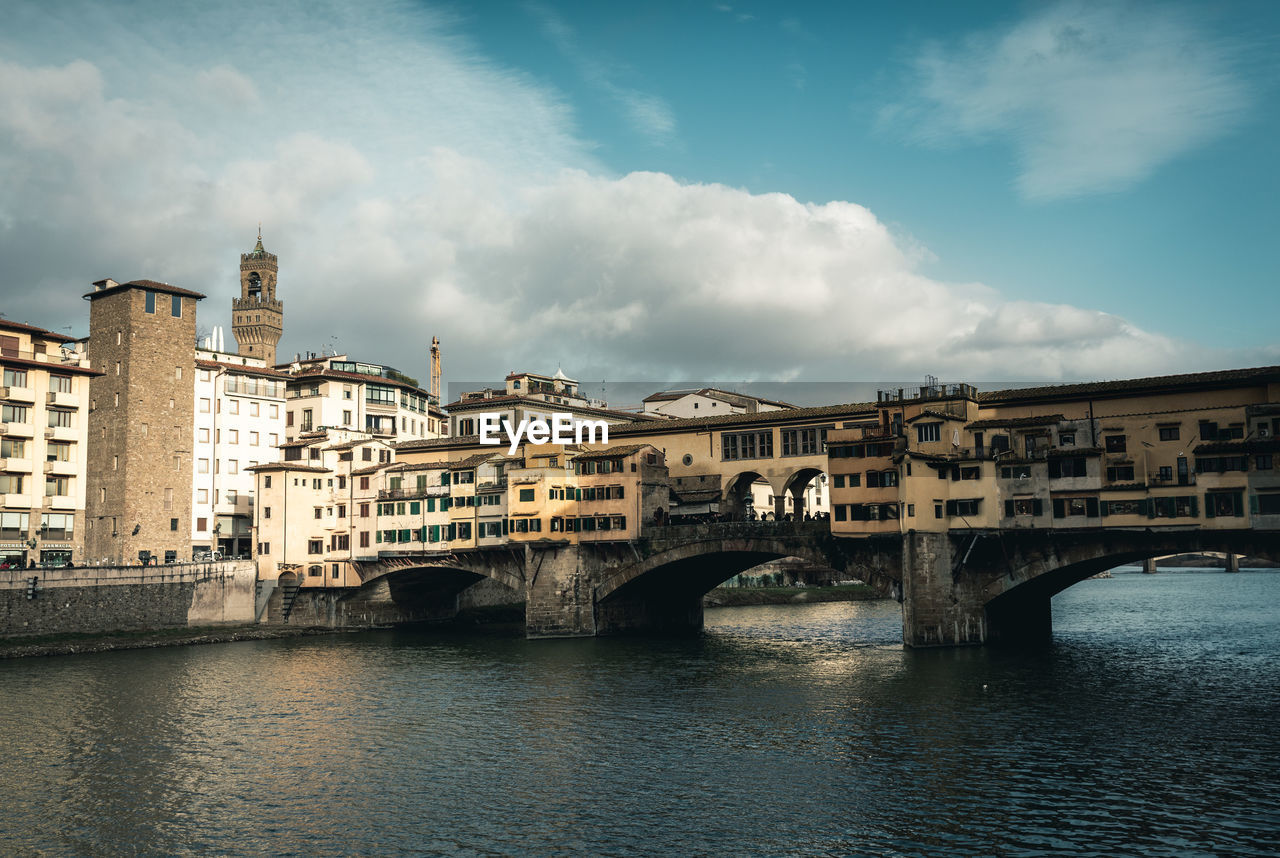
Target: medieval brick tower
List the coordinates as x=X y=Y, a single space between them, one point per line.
x=257 y=318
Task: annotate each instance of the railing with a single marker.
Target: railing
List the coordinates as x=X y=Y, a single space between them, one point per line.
x=927 y=393
x=412 y=492
x=491 y=485
x=735 y=528
x=1187 y=480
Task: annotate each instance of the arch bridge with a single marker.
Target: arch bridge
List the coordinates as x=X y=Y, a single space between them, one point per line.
x=956 y=588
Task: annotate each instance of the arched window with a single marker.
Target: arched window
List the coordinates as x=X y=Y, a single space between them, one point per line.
x=315 y=571
x=255 y=286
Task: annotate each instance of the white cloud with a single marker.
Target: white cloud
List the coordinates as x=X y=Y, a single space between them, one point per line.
x=1092 y=97
x=462 y=205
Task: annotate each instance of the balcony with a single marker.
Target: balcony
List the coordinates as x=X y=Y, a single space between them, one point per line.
x=22 y=466
x=60 y=468
x=60 y=433
x=17 y=430
x=410 y=493
x=1188 y=480
x=18 y=394
x=492 y=485
x=12 y=501
x=62 y=502
x=62 y=400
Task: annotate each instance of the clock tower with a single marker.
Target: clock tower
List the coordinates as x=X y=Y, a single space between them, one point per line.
x=257 y=317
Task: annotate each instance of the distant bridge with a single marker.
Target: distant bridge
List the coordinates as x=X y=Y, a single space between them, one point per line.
x=956 y=588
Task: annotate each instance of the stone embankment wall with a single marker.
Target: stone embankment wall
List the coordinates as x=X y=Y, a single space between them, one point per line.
x=96 y=599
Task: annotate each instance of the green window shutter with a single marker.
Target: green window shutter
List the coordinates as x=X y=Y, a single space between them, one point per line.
x=1059 y=508
x=1008 y=509
x=1037 y=507
x=1237 y=503
x=1195 y=507
x=1105 y=508
x=415 y=507
x=1091 y=507
x=1253 y=504
x=431 y=504
x=377 y=536
x=1209 y=511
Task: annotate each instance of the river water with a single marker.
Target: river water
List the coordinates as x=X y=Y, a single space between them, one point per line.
x=1149 y=728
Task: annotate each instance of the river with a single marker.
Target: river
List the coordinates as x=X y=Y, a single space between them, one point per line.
x=1150 y=727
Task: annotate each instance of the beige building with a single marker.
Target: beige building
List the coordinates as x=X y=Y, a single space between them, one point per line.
x=334 y=392
x=44 y=429
x=138 y=501
x=530 y=396
x=706 y=402
x=315 y=510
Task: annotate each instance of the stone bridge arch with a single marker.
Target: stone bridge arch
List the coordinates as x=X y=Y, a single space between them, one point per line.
x=663 y=588
x=998 y=586
x=424 y=588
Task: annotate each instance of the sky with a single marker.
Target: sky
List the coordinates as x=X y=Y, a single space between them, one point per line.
x=814 y=192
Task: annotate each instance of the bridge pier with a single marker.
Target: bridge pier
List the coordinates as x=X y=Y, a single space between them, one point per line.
x=938 y=608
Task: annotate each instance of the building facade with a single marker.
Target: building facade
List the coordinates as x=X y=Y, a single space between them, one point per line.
x=706 y=402
x=44 y=430
x=138 y=501
x=530 y=396
x=334 y=392
x=238 y=424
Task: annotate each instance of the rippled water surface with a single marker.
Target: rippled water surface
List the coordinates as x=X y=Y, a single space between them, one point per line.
x=1149 y=728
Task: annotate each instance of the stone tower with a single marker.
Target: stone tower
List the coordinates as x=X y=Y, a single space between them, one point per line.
x=257 y=318
x=138 y=470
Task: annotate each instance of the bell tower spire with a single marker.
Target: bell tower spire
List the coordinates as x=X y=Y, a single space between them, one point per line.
x=257 y=316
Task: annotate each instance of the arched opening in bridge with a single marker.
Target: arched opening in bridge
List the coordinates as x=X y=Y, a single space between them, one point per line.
x=739 y=498
x=1023 y=613
x=664 y=592
x=431 y=593
x=807 y=493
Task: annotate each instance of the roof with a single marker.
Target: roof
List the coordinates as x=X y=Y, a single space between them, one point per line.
x=153 y=285
x=1152 y=384
x=289 y=466
x=9 y=325
x=472 y=461
x=934 y=413
x=481 y=403
x=611 y=452
x=1250 y=445
x=372 y=469
x=241 y=369
x=325 y=372
x=401 y=467
x=713 y=393
x=1016 y=422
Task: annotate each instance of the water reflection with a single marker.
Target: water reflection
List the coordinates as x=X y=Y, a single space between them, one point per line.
x=1148 y=728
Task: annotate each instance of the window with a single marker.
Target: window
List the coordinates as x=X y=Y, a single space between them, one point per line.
x=58 y=451
x=1068 y=507
x=315 y=546
x=13 y=448
x=266 y=481
x=203 y=436
x=234 y=436
x=55 y=486
x=202 y=466
x=264 y=547
x=1262 y=461
x=1066 y=439
x=150 y=303
x=175 y=306
x=970 y=473
x=1115 y=444
x=10 y=484
x=1015 y=472
x=526 y=495
x=1068 y=466
x=364 y=510
x=234 y=406
x=274 y=438
x=59 y=384
x=1267 y=504
x=837 y=481
x=168 y=498
x=1169 y=433
x=204 y=406
x=173 y=524
x=799 y=442
x=926 y=432
x=253 y=439
x=233 y=466
x=57 y=527
x=364 y=539
x=746 y=445
x=13 y=413
x=1120 y=474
